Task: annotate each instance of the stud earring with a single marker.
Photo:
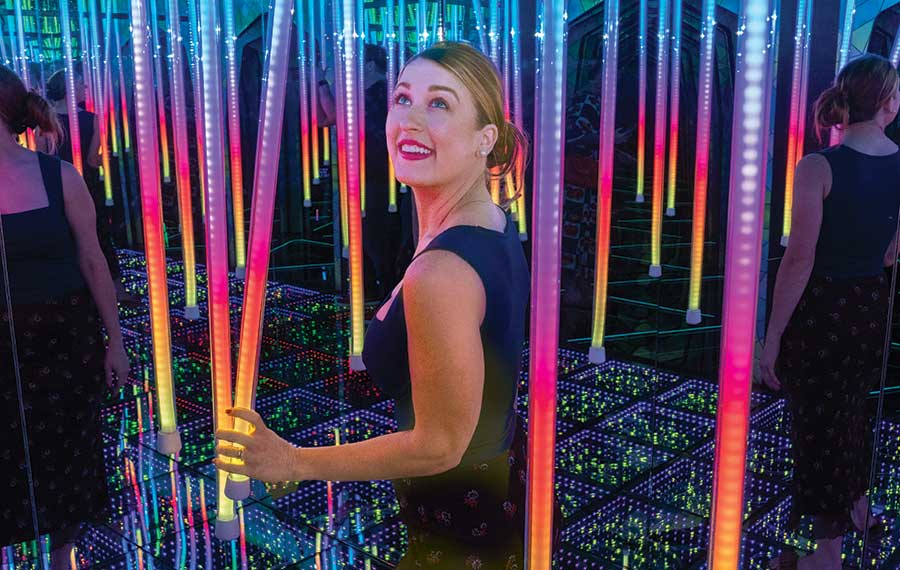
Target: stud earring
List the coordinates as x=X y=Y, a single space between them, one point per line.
x=484 y=152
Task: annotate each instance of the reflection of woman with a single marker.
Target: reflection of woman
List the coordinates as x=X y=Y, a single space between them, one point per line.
x=447 y=344
x=826 y=334
x=56 y=275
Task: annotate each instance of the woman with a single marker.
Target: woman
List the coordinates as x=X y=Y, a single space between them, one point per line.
x=58 y=281
x=447 y=344
x=826 y=333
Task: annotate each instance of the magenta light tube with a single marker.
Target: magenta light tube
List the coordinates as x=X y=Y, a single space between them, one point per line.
x=313 y=96
x=545 y=246
x=659 y=137
x=71 y=106
x=746 y=203
x=199 y=113
x=305 y=141
x=160 y=95
x=265 y=179
x=642 y=102
x=674 y=106
x=517 y=119
x=234 y=142
x=849 y=9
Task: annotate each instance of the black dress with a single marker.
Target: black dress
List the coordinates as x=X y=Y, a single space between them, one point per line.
x=473 y=515
x=59 y=355
x=832 y=349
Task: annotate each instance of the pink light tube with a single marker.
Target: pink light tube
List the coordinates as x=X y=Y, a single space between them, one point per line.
x=305 y=141
x=102 y=113
x=160 y=96
x=545 y=247
x=701 y=161
x=361 y=104
x=126 y=130
x=227 y=525
x=197 y=81
x=23 y=64
x=314 y=97
x=747 y=191
x=849 y=9
x=169 y=440
x=182 y=163
x=234 y=142
x=71 y=106
x=265 y=179
x=517 y=119
x=659 y=137
x=597 y=351
x=674 y=105
x=389 y=38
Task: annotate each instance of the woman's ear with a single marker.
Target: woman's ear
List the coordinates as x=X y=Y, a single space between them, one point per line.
x=487 y=136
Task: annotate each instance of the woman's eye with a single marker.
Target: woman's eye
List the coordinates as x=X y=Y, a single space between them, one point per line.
x=401 y=99
x=440 y=103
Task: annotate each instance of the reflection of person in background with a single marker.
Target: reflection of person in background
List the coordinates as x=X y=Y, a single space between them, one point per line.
x=58 y=281
x=380 y=228
x=448 y=344
x=826 y=333
x=89 y=133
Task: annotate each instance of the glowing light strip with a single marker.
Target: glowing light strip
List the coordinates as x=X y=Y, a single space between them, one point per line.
x=605 y=175
x=234 y=141
x=23 y=63
x=85 y=59
x=390 y=36
x=3 y=53
x=479 y=25
x=659 y=137
x=674 y=105
x=71 y=106
x=111 y=110
x=304 y=106
x=895 y=49
x=101 y=66
x=151 y=212
x=314 y=97
x=701 y=161
x=522 y=217
x=361 y=106
x=182 y=162
x=352 y=120
x=493 y=33
x=160 y=96
x=747 y=190
x=198 y=98
x=421 y=25
x=216 y=246
x=126 y=130
x=341 y=135
x=545 y=246
x=849 y=9
x=265 y=179
x=804 y=84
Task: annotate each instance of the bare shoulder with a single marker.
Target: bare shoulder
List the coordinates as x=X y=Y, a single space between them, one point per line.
x=72 y=180
x=439 y=278
x=813 y=173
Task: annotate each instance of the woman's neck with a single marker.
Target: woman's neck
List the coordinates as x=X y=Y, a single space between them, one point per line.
x=435 y=207
x=864 y=133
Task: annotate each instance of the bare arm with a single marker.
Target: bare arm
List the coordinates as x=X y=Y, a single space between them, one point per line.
x=326 y=111
x=82 y=219
x=811 y=180
x=444 y=302
x=93 y=155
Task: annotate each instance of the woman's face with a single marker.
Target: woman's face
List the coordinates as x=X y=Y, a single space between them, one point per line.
x=432 y=133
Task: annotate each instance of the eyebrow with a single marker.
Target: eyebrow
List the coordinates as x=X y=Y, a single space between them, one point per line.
x=433 y=88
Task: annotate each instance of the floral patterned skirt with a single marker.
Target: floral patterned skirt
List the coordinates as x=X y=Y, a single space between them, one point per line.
x=60 y=353
x=831 y=358
x=472 y=516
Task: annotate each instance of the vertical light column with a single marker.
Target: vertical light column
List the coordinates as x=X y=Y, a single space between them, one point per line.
x=479 y=25
x=804 y=85
x=545 y=246
x=86 y=65
x=701 y=160
x=747 y=191
x=597 y=353
x=71 y=106
x=422 y=25
x=160 y=95
x=797 y=118
x=642 y=101
x=517 y=119
x=361 y=103
x=265 y=179
x=313 y=96
x=326 y=131
x=126 y=129
x=339 y=64
x=182 y=162
x=227 y=524
x=659 y=137
x=100 y=75
x=197 y=82
x=169 y=440
x=843 y=54
x=674 y=106
x=493 y=18
x=299 y=14
x=24 y=72
x=4 y=55
x=234 y=142
x=111 y=110
x=390 y=38
x=895 y=49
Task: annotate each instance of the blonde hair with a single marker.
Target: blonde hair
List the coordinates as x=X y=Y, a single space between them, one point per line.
x=479 y=75
x=861 y=88
x=21 y=109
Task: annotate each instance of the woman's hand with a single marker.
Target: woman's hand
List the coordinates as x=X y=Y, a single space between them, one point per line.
x=767 y=363
x=266 y=456
x=116 y=366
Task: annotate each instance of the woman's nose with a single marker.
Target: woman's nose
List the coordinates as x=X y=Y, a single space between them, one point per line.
x=412 y=119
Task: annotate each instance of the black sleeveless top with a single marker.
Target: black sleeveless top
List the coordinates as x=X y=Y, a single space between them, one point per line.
x=859 y=216
x=498 y=259
x=40 y=248
x=85 y=134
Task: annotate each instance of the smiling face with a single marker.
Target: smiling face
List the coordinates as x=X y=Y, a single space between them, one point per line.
x=433 y=135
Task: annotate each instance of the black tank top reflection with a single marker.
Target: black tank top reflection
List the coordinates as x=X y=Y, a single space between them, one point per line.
x=499 y=261
x=85 y=134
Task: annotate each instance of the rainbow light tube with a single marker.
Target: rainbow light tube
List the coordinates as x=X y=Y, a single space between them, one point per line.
x=126 y=131
x=160 y=96
x=421 y=31
x=389 y=36
x=169 y=440
x=895 y=49
x=597 y=353
x=85 y=60
x=361 y=107
x=517 y=120
x=182 y=163
x=659 y=137
x=102 y=65
x=746 y=202
x=111 y=111
x=550 y=115
x=674 y=106
x=71 y=106
x=227 y=525
x=804 y=85
x=198 y=98
x=23 y=64
x=314 y=97
x=701 y=161
x=339 y=65
x=234 y=141
x=326 y=132
x=849 y=9
x=265 y=180
x=353 y=120
x=304 y=105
